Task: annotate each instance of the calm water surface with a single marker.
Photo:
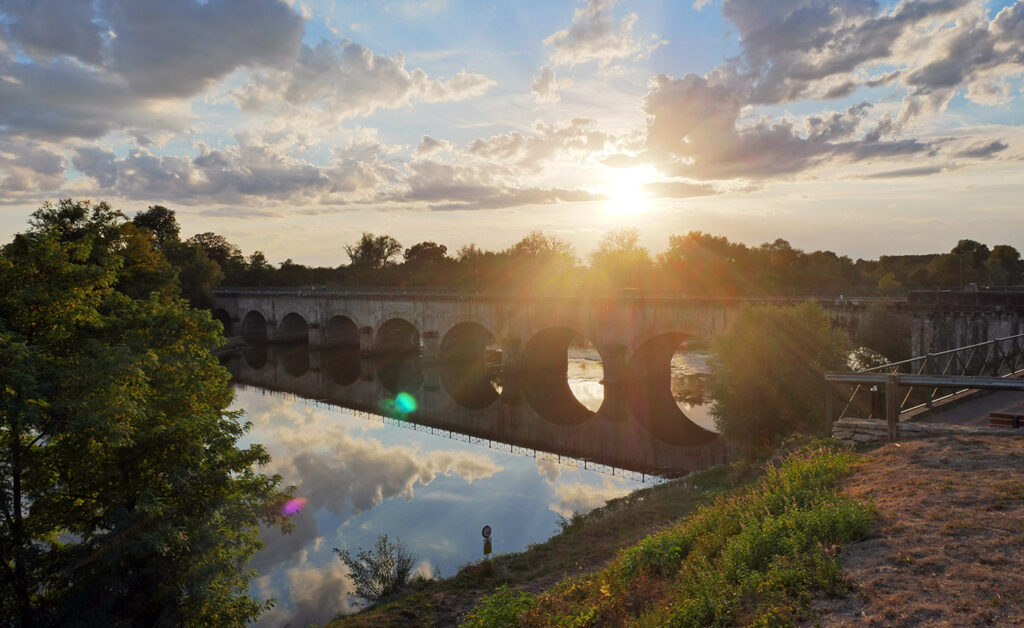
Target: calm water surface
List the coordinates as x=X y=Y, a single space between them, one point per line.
x=364 y=475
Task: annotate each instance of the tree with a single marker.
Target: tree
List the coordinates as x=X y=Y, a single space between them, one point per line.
x=373 y=252
x=217 y=248
x=380 y=572
x=125 y=499
x=161 y=222
x=426 y=253
x=886 y=332
x=1003 y=265
x=621 y=259
x=768 y=373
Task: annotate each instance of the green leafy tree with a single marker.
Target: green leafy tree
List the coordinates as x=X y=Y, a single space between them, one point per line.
x=125 y=499
x=227 y=255
x=373 y=252
x=621 y=260
x=426 y=253
x=379 y=572
x=888 y=285
x=1003 y=265
x=885 y=332
x=768 y=373
x=161 y=222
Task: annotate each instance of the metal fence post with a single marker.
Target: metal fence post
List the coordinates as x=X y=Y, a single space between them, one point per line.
x=892 y=408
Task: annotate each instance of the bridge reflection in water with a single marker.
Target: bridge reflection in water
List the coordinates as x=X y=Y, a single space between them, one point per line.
x=638 y=427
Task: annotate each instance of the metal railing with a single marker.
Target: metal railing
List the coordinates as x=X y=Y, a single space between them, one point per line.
x=936 y=377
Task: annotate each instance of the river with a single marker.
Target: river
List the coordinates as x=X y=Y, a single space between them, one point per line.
x=363 y=474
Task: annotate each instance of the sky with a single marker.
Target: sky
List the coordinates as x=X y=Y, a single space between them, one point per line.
x=292 y=126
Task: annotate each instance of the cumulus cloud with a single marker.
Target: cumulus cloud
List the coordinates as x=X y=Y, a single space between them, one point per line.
x=579 y=137
x=180 y=47
x=545 y=86
x=478 y=186
x=347 y=79
x=29 y=166
x=595 y=35
x=254 y=168
x=51 y=28
x=702 y=127
x=430 y=146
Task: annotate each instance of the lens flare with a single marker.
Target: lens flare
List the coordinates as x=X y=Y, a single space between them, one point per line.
x=401 y=405
x=293 y=506
x=405 y=403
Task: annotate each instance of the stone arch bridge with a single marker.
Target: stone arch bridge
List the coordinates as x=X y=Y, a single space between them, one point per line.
x=635 y=336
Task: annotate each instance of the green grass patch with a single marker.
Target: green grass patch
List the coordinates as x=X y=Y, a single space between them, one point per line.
x=754 y=556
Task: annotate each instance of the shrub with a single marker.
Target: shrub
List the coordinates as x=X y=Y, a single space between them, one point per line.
x=769 y=367
x=380 y=572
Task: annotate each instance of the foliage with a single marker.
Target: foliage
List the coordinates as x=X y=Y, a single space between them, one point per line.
x=379 y=572
x=373 y=252
x=754 y=556
x=768 y=367
x=886 y=332
x=621 y=260
x=124 y=497
x=502 y=608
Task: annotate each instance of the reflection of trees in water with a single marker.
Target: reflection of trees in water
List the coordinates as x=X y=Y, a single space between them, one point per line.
x=691 y=389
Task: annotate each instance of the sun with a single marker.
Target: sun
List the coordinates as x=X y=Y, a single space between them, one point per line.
x=625 y=191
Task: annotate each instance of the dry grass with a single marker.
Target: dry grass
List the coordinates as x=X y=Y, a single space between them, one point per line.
x=948 y=544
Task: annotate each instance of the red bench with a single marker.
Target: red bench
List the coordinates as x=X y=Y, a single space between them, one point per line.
x=1005 y=419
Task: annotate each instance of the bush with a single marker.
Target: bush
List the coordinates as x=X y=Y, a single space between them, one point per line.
x=380 y=572
x=769 y=367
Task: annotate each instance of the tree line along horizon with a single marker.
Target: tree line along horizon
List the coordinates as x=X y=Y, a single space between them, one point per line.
x=694 y=264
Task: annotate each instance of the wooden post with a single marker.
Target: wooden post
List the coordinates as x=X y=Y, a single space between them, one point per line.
x=892 y=405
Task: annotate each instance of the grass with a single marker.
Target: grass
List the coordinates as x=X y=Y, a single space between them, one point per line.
x=755 y=556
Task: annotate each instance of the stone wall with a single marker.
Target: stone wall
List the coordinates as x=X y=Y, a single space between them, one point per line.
x=855 y=431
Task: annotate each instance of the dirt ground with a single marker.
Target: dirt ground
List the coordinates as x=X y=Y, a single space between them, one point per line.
x=948 y=545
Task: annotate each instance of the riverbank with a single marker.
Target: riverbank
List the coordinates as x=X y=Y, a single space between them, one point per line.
x=943 y=547
x=584 y=543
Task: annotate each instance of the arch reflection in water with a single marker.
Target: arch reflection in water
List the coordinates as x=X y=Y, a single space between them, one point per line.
x=650 y=393
x=399 y=373
x=469 y=366
x=545 y=364
x=293 y=357
x=604 y=439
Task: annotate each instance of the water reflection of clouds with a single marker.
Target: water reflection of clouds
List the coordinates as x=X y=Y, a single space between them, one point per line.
x=313 y=593
x=341 y=473
x=579 y=497
x=576 y=496
x=351 y=470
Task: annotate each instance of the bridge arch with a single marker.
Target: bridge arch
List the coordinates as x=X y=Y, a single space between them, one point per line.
x=466 y=372
x=221 y=315
x=649 y=388
x=293 y=328
x=544 y=371
x=254 y=327
x=397 y=335
x=341 y=331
